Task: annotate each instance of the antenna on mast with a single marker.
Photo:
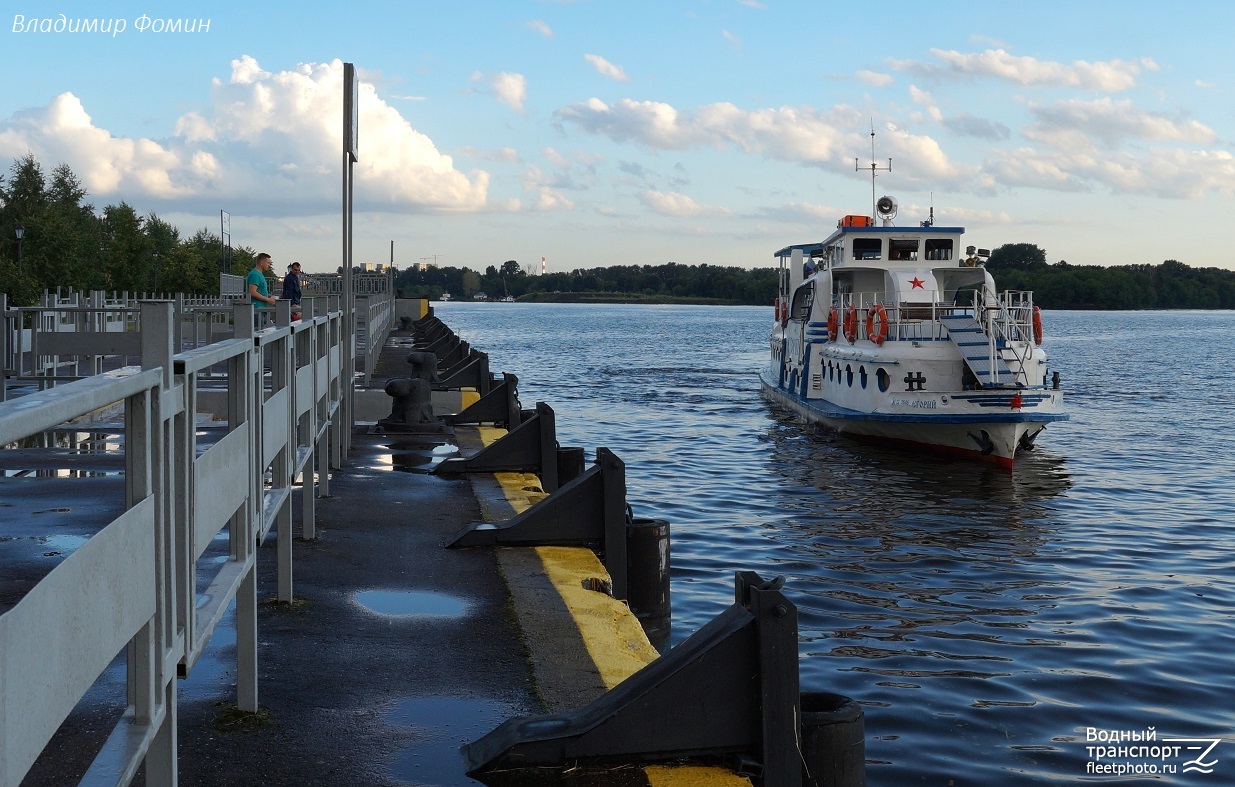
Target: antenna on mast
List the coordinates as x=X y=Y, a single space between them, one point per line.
x=874 y=168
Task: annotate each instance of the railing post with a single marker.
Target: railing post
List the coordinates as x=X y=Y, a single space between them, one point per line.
x=245 y=392
x=5 y=344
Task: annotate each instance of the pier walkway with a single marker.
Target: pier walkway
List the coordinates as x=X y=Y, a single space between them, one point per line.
x=393 y=654
x=385 y=655
x=212 y=573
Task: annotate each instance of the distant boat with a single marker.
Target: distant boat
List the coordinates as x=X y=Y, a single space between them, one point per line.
x=446 y=297
x=888 y=333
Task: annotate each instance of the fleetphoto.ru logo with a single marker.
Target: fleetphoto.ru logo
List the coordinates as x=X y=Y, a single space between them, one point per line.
x=1143 y=753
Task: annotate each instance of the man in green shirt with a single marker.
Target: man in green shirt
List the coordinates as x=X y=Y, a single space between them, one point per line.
x=258 y=289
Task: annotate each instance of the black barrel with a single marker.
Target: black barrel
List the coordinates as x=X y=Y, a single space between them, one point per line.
x=571 y=462
x=833 y=741
x=647 y=577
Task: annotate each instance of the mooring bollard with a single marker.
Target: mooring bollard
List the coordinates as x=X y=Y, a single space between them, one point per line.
x=647 y=576
x=833 y=740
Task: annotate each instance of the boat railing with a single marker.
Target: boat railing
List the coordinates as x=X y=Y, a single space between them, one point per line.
x=916 y=320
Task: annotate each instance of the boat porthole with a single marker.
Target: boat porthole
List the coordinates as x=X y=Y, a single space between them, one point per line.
x=849 y=375
x=884 y=380
x=862 y=375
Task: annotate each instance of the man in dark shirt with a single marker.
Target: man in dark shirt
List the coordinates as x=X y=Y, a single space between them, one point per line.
x=291 y=288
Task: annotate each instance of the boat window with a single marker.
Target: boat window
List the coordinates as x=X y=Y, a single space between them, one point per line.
x=884 y=380
x=849 y=375
x=802 y=300
x=939 y=249
x=868 y=248
x=862 y=374
x=903 y=249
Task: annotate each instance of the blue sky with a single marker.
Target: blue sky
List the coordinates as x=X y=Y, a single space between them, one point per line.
x=598 y=133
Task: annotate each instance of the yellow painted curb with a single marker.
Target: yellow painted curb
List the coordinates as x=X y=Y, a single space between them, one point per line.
x=611 y=633
x=692 y=776
x=613 y=637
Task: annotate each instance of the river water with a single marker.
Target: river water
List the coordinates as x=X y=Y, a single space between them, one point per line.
x=986 y=621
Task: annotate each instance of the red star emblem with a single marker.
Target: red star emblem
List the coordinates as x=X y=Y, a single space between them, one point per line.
x=917 y=283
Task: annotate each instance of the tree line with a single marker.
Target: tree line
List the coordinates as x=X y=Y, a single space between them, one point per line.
x=65 y=243
x=1171 y=285
x=1015 y=266
x=669 y=281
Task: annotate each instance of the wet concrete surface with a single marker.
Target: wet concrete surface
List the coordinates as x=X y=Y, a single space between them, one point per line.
x=395 y=652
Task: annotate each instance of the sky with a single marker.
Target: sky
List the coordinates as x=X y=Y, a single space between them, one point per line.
x=597 y=133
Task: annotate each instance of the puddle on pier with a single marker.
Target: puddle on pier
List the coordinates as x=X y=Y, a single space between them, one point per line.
x=409 y=456
x=62 y=545
x=446 y=724
x=413 y=603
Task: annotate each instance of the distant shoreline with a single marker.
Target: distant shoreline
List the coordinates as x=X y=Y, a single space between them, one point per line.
x=624 y=298
x=616 y=298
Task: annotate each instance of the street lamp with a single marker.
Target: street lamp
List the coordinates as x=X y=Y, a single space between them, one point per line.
x=20 y=232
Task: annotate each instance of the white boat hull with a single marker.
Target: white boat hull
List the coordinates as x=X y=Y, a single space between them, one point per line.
x=982 y=426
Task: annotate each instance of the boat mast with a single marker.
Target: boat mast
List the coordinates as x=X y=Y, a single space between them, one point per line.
x=874 y=169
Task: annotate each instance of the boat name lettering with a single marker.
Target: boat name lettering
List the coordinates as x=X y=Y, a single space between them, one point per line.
x=921 y=404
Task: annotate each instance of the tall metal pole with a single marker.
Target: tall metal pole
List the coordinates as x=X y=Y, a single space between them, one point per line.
x=350 y=116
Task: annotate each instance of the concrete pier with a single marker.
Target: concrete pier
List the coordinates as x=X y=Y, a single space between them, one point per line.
x=394 y=651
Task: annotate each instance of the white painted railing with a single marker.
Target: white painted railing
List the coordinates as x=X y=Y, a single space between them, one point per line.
x=134 y=581
x=71 y=336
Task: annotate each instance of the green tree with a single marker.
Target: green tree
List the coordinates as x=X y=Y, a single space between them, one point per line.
x=1023 y=256
x=471 y=283
x=126 y=248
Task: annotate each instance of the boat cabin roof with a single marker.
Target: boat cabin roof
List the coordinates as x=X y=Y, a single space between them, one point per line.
x=837 y=237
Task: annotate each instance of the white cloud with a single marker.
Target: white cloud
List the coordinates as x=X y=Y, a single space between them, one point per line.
x=874 y=79
x=797 y=134
x=733 y=40
x=1173 y=173
x=966 y=125
x=545 y=195
x=1075 y=123
x=605 y=68
x=292 y=118
x=671 y=203
x=802 y=213
x=269 y=144
x=511 y=89
x=107 y=165
x=504 y=155
x=1112 y=75
x=540 y=27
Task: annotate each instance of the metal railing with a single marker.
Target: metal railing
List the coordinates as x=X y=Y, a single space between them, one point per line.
x=133 y=585
x=1010 y=317
x=68 y=337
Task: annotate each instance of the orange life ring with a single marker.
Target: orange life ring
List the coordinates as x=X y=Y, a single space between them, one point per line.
x=1037 y=325
x=833 y=323
x=877 y=324
x=776 y=308
x=851 y=323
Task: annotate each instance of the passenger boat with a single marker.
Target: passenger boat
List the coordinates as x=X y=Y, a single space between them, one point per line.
x=890 y=333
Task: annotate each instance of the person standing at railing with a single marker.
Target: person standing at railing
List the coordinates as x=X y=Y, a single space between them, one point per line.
x=259 y=290
x=291 y=288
